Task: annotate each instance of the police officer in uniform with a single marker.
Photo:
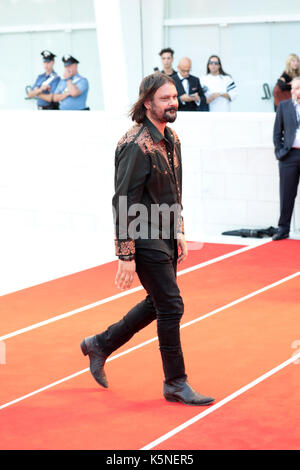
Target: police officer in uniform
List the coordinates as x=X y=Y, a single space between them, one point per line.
x=45 y=83
x=71 y=92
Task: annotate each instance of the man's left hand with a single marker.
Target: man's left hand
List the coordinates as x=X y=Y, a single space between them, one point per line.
x=182 y=248
x=125 y=274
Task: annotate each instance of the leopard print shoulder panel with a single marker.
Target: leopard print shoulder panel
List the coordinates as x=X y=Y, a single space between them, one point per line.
x=130 y=136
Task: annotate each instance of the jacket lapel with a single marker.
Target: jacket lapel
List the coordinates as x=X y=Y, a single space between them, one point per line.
x=293 y=113
x=181 y=90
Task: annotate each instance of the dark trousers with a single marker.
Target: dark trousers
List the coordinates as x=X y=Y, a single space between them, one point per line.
x=289 y=172
x=157 y=273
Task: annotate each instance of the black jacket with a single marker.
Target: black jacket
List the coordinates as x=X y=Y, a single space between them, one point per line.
x=285 y=128
x=194 y=87
x=285 y=85
x=148 y=175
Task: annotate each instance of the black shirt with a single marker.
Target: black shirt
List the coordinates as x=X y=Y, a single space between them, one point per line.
x=285 y=85
x=172 y=75
x=148 y=184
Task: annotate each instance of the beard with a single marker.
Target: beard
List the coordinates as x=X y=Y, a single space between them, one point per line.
x=168 y=115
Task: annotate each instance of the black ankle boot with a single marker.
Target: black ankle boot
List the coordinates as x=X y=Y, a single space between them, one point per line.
x=180 y=390
x=97 y=359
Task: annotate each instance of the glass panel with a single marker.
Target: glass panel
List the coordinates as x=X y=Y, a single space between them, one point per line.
x=16 y=72
x=195 y=42
x=283 y=43
x=246 y=55
x=26 y=12
x=82 y=11
x=84 y=44
x=217 y=8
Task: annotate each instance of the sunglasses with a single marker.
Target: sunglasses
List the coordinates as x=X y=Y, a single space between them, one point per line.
x=213 y=62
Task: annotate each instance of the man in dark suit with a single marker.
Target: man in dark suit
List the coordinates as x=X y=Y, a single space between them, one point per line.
x=286 y=138
x=190 y=93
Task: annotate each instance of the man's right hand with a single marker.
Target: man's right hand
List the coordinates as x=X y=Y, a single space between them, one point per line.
x=125 y=274
x=186 y=98
x=195 y=96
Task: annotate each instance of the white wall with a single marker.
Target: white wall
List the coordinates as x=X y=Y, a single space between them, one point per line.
x=56 y=185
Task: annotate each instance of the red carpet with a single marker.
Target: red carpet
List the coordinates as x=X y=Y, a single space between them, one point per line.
x=223 y=353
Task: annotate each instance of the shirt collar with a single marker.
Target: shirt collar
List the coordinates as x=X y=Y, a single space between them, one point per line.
x=74 y=76
x=181 y=77
x=155 y=134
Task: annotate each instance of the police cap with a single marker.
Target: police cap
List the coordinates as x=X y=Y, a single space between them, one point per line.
x=69 y=60
x=47 y=56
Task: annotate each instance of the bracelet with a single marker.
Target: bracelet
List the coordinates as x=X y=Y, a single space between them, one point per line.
x=127 y=258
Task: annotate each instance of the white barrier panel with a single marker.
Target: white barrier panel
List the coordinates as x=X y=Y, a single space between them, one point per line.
x=56 y=185
x=230 y=172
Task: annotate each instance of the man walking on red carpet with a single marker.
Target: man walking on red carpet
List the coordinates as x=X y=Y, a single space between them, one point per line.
x=149 y=236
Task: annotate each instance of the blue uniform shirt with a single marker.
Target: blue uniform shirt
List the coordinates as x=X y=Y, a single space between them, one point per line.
x=77 y=102
x=53 y=80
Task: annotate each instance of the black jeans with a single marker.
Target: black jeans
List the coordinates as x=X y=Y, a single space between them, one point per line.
x=157 y=273
x=289 y=171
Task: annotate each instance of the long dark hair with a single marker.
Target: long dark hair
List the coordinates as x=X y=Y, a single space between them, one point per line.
x=221 y=71
x=148 y=87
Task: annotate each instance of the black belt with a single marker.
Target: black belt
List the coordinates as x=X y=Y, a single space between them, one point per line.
x=51 y=106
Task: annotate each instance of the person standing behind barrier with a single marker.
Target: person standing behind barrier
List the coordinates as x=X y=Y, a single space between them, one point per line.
x=286 y=137
x=167 y=56
x=219 y=87
x=45 y=83
x=282 y=90
x=71 y=92
x=190 y=92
